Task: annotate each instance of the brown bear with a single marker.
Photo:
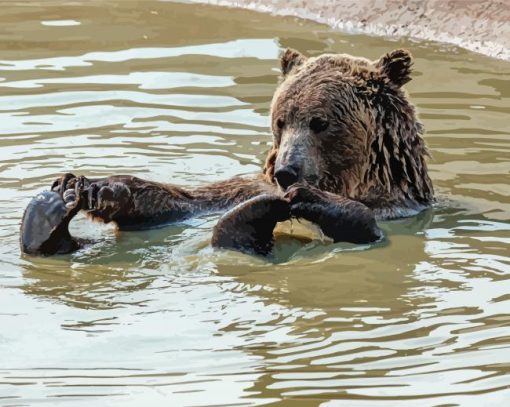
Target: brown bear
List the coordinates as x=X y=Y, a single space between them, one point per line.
x=347 y=149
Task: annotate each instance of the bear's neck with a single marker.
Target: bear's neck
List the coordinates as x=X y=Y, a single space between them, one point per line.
x=395 y=175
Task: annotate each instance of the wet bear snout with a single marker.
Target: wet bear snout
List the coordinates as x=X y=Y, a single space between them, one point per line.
x=286 y=176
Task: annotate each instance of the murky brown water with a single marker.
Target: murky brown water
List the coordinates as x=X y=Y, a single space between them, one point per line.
x=180 y=93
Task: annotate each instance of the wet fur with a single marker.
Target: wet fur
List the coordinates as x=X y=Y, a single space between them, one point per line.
x=133 y=203
x=369 y=160
x=248 y=227
x=373 y=150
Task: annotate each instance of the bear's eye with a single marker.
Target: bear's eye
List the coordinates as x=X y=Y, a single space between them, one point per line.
x=280 y=123
x=317 y=124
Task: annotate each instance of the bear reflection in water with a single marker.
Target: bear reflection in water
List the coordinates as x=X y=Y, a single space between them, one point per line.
x=347 y=150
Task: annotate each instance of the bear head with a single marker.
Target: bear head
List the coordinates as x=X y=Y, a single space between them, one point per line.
x=345 y=125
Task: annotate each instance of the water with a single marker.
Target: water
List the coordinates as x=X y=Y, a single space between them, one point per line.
x=180 y=93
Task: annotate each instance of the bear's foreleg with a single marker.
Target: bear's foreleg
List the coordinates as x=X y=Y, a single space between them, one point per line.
x=248 y=227
x=130 y=202
x=134 y=203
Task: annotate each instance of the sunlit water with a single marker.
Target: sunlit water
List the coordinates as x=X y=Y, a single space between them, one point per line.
x=180 y=93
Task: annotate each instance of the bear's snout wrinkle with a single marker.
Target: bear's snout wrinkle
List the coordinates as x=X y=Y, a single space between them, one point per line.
x=286 y=176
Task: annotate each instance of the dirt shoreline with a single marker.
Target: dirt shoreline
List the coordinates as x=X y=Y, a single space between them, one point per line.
x=479 y=26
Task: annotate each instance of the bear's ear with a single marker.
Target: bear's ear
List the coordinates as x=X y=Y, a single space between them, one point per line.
x=396 y=66
x=291 y=59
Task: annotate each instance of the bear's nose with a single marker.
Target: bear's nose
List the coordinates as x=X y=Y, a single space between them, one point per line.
x=286 y=176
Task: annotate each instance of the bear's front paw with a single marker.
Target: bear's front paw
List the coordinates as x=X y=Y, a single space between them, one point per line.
x=98 y=195
x=74 y=193
x=110 y=196
x=248 y=227
x=298 y=193
x=307 y=202
x=62 y=183
x=339 y=218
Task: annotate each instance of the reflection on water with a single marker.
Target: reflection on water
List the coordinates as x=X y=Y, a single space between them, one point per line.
x=180 y=93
